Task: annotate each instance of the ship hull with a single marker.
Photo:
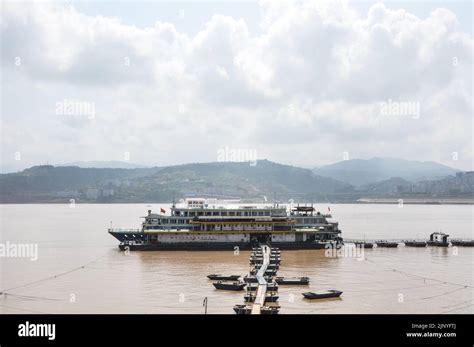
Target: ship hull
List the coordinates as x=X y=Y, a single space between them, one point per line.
x=216 y=246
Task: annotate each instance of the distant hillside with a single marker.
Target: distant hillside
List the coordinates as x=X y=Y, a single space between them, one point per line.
x=58 y=184
x=47 y=182
x=113 y=164
x=390 y=186
x=457 y=189
x=359 y=172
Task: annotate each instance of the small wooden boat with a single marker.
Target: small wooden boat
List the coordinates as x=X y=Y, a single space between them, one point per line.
x=387 y=244
x=268 y=298
x=219 y=277
x=323 y=295
x=247 y=309
x=463 y=243
x=236 y=286
x=415 y=243
x=365 y=244
x=292 y=280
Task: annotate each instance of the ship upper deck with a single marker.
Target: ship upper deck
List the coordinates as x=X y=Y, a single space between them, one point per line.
x=203 y=210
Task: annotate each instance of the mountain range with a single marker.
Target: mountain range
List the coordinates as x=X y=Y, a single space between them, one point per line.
x=358 y=172
x=345 y=181
x=113 y=164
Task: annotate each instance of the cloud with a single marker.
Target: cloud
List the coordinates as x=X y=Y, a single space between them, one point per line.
x=304 y=89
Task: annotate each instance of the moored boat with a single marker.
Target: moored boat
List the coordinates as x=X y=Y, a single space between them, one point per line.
x=235 y=286
x=414 y=243
x=463 y=243
x=219 y=277
x=322 y=295
x=204 y=224
x=438 y=239
x=387 y=244
x=292 y=280
x=364 y=244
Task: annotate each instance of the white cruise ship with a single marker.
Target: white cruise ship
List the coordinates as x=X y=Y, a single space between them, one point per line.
x=200 y=224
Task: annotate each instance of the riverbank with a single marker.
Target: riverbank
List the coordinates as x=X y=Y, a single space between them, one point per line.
x=427 y=201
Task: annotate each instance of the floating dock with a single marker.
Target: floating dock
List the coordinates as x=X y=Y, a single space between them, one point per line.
x=261 y=288
x=262 y=283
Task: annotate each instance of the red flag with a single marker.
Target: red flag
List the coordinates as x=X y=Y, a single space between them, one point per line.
x=162 y=210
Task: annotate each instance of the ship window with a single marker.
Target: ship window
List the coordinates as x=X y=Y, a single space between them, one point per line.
x=208 y=213
x=215 y=213
x=231 y=213
x=200 y=213
x=238 y=213
x=223 y=213
x=254 y=213
x=260 y=213
x=191 y=214
x=173 y=221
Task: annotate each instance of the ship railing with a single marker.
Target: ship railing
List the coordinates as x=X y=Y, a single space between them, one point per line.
x=124 y=230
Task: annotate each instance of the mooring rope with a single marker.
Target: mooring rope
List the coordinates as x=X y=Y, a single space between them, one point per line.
x=5 y=291
x=419 y=276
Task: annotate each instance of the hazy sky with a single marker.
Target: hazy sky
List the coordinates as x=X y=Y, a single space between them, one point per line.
x=299 y=82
